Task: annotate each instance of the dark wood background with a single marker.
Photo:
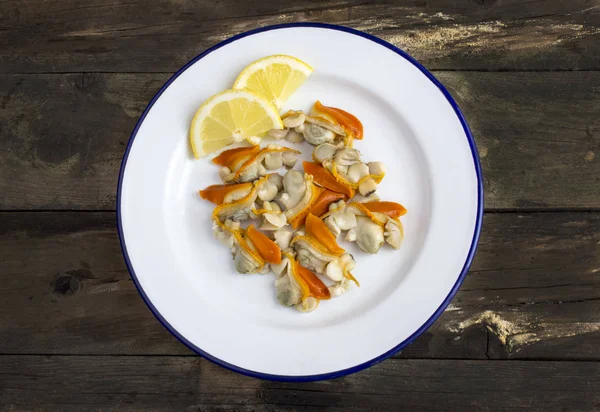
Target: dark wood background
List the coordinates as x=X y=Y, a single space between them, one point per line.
x=522 y=333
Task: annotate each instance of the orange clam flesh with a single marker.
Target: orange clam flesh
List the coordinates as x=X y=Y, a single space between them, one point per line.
x=219 y=194
x=319 y=232
x=350 y=123
x=391 y=209
x=327 y=180
x=297 y=213
x=241 y=208
x=320 y=206
x=265 y=247
x=248 y=163
x=310 y=285
x=235 y=158
x=370 y=209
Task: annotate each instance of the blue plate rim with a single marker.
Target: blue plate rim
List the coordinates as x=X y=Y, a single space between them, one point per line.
x=401 y=345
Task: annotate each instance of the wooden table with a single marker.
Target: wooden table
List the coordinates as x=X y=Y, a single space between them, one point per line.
x=524 y=330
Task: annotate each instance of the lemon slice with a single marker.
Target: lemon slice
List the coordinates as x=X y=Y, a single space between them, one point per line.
x=275 y=77
x=229 y=117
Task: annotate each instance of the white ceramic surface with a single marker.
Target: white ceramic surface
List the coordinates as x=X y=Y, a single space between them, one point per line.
x=188 y=279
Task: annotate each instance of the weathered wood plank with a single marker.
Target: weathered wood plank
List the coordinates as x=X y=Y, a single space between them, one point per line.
x=84 y=383
x=533 y=291
x=538 y=136
x=535 y=131
x=63 y=36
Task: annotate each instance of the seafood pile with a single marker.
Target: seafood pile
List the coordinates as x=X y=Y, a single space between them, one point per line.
x=277 y=218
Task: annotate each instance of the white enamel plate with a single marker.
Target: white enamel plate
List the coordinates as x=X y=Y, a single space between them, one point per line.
x=187 y=278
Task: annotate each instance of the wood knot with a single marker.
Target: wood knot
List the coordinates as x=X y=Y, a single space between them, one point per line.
x=70 y=283
x=484 y=3
x=66 y=285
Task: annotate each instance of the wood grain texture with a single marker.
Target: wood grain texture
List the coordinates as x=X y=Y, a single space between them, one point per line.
x=533 y=291
x=62 y=136
x=161 y=36
x=83 y=383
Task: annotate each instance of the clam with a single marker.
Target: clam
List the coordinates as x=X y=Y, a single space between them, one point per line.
x=367 y=234
x=224 y=232
x=357 y=171
x=315 y=129
x=316 y=135
x=298 y=196
x=278 y=134
x=288 y=290
x=244 y=262
x=347 y=157
x=348 y=172
x=283 y=237
x=294 y=137
x=323 y=125
x=294 y=188
x=376 y=168
x=299 y=287
x=373 y=197
x=326 y=179
x=318 y=250
x=394 y=233
x=272 y=218
x=250 y=248
x=324 y=152
x=268 y=190
x=366 y=187
x=232 y=205
x=247 y=164
x=369 y=224
x=340 y=218
x=293 y=119
x=339 y=288
x=219 y=194
x=349 y=126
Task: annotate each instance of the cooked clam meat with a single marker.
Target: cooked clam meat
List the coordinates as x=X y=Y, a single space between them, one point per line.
x=239 y=201
x=318 y=250
x=323 y=125
x=251 y=250
x=246 y=164
x=303 y=213
x=373 y=223
x=297 y=286
x=298 y=196
x=346 y=166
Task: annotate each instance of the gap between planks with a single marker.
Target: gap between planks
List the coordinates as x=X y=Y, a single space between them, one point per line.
x=394 y=357
x=439 y=70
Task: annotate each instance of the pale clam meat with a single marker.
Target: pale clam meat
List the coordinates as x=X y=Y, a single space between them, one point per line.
x=271 y=217
x=294 y=189
x=288 y=290
x=268 y=190
x=394 y=233
x=357 y=171
x=294 y=120
x=324 y=152
x=294 y=137
x=367 y=234
x=322 y=263
x=283 y=237
x=316 y=135
x=245 y=262
x=347 y=157
x=347 y=165
x=367 y=187
x=278 y=133
x=271 y=157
